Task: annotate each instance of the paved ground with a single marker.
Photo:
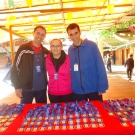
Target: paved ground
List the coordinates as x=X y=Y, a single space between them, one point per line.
x=119 y=86
x=120 y=71
x=5 y=89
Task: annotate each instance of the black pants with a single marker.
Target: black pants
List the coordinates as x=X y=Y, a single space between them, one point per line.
x=62 y=98
x=89 y=96
x=129 y=73
x=28 y=96
x=109 y=67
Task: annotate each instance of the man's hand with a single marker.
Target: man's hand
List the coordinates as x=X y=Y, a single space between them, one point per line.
x=18 y=93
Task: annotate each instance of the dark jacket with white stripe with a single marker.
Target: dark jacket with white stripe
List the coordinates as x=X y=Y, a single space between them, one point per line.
x=22 y=69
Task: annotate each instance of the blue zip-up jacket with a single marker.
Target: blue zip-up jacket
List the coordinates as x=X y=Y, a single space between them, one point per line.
x=91 y=75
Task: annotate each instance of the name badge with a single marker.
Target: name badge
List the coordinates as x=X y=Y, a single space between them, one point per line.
x=75 y=67
x=55 y=76
x=38 y=69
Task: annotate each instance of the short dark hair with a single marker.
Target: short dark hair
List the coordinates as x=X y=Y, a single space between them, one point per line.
x=72 y=26
x=40 y=26
x=131 y=55
x=56 y=39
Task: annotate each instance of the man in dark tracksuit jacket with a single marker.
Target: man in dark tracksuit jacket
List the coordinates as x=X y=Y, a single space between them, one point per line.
x=28 y=73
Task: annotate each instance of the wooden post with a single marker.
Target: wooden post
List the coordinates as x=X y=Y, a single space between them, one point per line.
x=100 y=46
x=11 y=44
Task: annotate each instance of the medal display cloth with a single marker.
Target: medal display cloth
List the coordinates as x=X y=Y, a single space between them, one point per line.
x=111 y=117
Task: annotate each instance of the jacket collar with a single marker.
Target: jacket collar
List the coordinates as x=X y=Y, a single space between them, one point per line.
x=82 y=44
x=31 y=48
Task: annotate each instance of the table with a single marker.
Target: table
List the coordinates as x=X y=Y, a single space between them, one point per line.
x=112 y=126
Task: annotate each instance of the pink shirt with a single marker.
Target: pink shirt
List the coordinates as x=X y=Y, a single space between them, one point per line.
x=61 y=86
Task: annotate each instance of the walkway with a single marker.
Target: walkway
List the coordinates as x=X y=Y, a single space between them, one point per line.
x=119 y=86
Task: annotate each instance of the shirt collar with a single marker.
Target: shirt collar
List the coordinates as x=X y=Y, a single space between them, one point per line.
x=82 y=44
x=36 y=49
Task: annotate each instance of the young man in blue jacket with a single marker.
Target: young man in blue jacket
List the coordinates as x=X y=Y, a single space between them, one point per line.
x=89 y=79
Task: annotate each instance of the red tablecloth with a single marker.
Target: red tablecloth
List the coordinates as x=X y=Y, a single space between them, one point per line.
x=112 y=126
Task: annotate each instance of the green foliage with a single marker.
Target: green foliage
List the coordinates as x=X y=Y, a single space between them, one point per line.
x=104 y=33
x=109 y=33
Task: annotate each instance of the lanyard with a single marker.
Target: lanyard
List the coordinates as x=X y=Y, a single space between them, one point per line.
x=37 y=56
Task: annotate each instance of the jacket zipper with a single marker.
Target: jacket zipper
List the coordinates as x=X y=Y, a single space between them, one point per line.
x=80 y=69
